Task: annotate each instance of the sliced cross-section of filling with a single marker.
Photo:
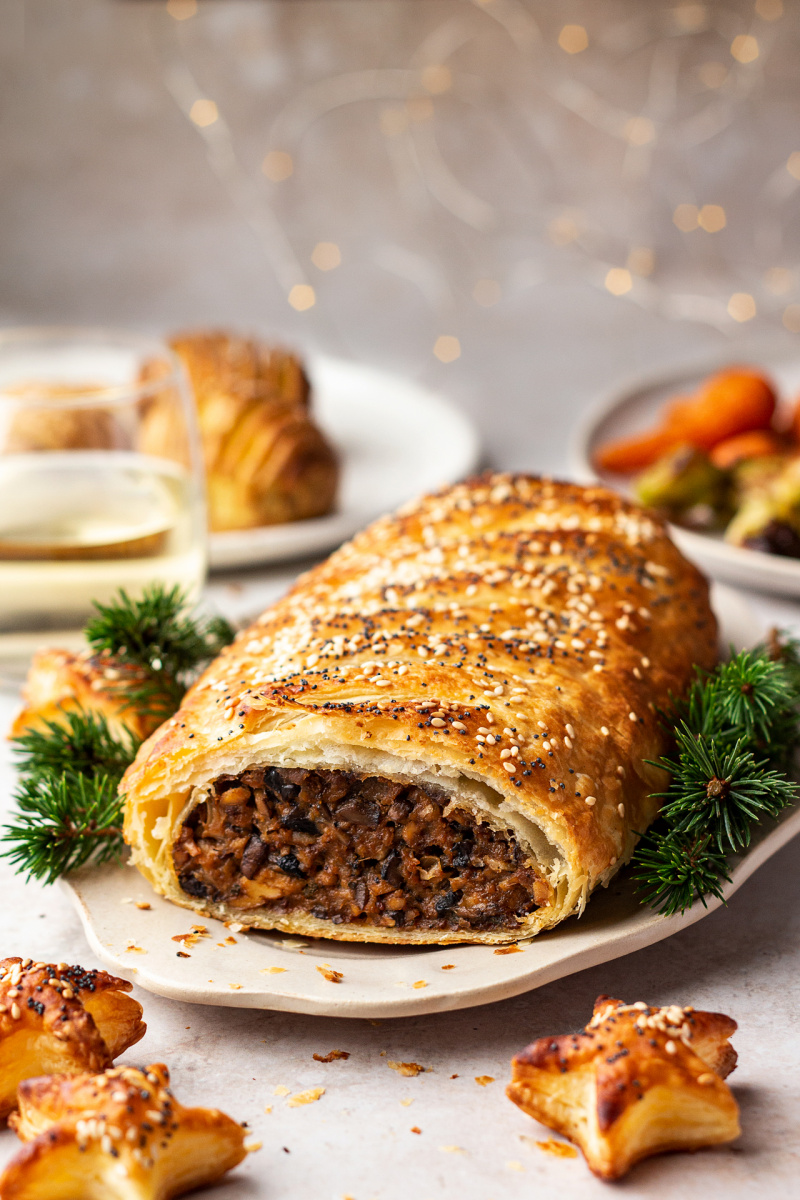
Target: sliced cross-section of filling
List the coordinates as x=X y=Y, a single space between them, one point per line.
x=349 y=849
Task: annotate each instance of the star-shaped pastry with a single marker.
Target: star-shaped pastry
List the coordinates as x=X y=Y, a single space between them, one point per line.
x=120 y=1135
x=60 y=1019
x=637 y=1081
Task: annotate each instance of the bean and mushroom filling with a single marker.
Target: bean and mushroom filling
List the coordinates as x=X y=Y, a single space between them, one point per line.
x=350 y=849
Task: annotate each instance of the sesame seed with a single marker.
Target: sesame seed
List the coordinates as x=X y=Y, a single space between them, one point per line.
x=438 y=722
x=570 y=730
x=621 y=809
x=381 y=683
x=591 y=800
x=568 y=743
x=480 y=738
x=509 y=767
x=459 y=726
x=705 y=1078
x=541 y=724
x=545 y=745
x=604 y=730
x=491 y=739
x=670 y=1047
x=632 y=716
x=505 y=754
x=15 y=1013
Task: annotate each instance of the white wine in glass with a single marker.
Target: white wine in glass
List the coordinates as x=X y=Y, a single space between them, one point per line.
x=85 y=507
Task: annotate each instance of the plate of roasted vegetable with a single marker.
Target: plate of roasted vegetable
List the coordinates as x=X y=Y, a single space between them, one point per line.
x=717 y=452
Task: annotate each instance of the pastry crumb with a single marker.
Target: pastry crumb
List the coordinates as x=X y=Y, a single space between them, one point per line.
x=449 y=967
x=307 y=1097
x=331 y=1056
x=406 y=1068
x=235 y=987
x=560 y=1149
x=235 y=926
x=252 y=1147
x=182 y=954
x=483 y=1080
x=280 y=1090
x=453 y=1149
x=421 y=983
x=515 y=949
x=513 y=1165
x=192 y=937
x=273 y=971
x=328 y=973
x=132 y=948
x=408 y=1101
x=268 y=1108
x=143 y=904
x=416 y=1129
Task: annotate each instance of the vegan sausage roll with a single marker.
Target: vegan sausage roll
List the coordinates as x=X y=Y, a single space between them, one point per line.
x=444 y=733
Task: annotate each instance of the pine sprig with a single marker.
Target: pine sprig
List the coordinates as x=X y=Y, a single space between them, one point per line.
x=63 y=822
x=720 y=790
x=674 y=869
x=157 y=644
x=69 y=811
x=81 y=745
x=734 y=734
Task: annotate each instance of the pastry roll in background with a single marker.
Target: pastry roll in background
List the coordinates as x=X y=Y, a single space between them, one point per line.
x=266 y=460
x=444 y=733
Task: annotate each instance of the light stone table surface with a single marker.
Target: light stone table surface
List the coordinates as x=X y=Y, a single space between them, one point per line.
x=360 y=1141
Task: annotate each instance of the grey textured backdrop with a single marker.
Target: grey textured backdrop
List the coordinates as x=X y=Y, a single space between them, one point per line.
x=443 y=145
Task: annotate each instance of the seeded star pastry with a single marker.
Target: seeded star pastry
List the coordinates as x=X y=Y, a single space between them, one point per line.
x=638 y=1081
x=120 y=1134
x=442 y=734
x=62 y=681
x=61 y=1019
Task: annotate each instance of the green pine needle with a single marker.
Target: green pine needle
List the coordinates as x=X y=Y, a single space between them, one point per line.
x=158 y=644
x=720 y=790
x=69 y=812
x=63 y=822
x=676 y=869
x=735 y=733
x=81 y=745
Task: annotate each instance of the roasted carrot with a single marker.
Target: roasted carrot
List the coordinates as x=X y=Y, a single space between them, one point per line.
x=756 y=443
x=729 y=403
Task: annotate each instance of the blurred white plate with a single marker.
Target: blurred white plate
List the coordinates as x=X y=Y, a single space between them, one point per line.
x=635 y=406
x=396 y=440
x=273 y=971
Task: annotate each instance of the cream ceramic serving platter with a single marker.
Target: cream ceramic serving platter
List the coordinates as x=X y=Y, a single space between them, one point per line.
x=396 y=440
x=635 y=406
x=175 y=953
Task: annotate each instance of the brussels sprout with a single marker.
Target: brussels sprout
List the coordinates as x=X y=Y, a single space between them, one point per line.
x=769 y=515
x=686 y=486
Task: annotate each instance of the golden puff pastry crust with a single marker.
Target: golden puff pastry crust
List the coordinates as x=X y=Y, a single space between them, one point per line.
x=60 y=1018
x=444 y=733
x=120 y=1134
x=61 y=681
x=638 y=1081
x=266 y=459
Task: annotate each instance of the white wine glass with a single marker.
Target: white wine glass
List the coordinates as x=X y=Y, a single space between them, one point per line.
x=101 y=480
